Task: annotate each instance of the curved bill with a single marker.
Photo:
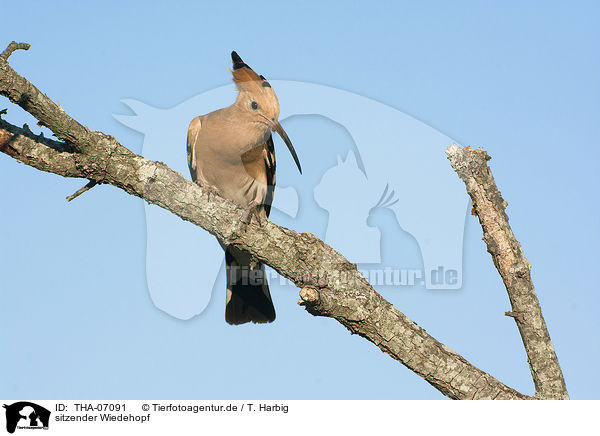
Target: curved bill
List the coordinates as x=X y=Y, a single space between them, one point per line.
x=277 y=128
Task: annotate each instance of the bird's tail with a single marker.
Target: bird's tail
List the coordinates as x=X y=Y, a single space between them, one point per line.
x=248 y=296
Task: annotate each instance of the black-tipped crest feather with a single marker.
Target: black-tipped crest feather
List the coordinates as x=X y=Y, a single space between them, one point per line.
x=237 y=61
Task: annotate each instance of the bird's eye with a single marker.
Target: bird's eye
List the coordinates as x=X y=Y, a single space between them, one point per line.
x=254 y=105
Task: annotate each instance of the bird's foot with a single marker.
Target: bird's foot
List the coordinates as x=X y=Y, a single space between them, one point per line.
x=209 y=191
x=256 y=211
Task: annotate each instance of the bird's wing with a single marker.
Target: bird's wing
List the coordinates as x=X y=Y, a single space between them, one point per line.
x=192 y=138
x=259 y=163
x=270 y=167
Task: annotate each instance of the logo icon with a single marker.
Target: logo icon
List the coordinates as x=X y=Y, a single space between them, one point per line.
x=26 y=415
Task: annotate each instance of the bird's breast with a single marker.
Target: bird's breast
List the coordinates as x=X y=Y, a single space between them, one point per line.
x=241 y=178
x=230 y=156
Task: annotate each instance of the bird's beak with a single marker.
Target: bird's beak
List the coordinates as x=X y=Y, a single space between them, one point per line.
x=277 y=128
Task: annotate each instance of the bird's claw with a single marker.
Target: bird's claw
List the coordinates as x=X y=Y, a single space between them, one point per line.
x=254 y=211
x=210 y=192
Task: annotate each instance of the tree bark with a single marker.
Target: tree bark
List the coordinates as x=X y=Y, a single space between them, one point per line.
x=489 y=206
x=330 y=285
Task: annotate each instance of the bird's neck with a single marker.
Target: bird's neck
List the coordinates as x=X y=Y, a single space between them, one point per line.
x=248 y=127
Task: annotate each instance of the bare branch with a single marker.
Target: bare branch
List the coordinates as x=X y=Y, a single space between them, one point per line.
x=20 y=91
x=38 y=152
x=13 y=46
x=80 y=191
x=471 y=166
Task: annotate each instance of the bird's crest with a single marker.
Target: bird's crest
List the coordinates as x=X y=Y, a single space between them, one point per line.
x=244 y=77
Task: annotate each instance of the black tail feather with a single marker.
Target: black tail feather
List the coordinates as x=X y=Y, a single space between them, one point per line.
x=248 y=295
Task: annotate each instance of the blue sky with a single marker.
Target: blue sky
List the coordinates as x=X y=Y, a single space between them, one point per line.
x=517 y=78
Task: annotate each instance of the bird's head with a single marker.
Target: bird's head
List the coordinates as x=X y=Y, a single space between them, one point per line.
x=258 y=100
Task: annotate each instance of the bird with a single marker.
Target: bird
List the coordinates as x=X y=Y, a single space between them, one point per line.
x=231 y=151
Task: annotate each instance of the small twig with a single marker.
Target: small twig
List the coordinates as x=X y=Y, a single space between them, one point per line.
x=87 y=187
x=12 y=47
x=518 y=316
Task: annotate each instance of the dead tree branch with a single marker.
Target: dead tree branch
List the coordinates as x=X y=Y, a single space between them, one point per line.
x=471 y=166
x=331 y=286
x=13 y=46
x=80 y=191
